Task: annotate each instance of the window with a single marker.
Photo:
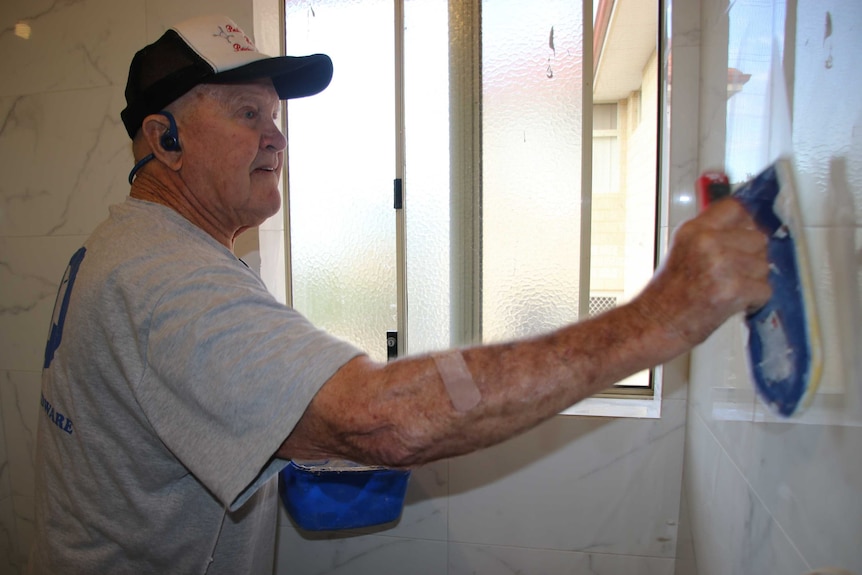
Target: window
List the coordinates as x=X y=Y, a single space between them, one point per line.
x=477 y=109
x=606 y=159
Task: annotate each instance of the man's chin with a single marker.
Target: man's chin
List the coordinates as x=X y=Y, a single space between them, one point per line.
x=269 y=201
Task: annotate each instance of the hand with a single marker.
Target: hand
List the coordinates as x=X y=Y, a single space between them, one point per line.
x=716 y=267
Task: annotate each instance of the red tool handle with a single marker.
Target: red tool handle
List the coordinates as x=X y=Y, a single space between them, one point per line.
x=711 y=186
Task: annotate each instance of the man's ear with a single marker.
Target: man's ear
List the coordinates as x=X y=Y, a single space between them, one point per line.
x=160 y=132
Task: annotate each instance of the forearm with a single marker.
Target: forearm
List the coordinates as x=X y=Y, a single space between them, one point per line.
x=401 y=414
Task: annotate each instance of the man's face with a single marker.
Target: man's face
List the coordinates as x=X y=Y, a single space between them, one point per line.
x=233 y=152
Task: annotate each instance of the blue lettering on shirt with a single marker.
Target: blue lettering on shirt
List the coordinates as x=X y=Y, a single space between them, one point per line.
x=57 y=418
x=61 y=306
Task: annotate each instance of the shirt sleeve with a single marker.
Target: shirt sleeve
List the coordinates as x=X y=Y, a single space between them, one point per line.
x=229 y=373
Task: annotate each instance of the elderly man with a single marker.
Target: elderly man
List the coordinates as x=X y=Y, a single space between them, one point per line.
x=175 y=386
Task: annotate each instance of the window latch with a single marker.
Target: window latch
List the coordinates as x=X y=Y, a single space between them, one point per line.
x=391 y=345
x=399 y=194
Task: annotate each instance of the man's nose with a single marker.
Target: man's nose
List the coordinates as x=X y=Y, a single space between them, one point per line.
x=274 y=139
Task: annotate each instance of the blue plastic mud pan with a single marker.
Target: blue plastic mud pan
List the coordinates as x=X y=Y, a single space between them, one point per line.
x=333 y=495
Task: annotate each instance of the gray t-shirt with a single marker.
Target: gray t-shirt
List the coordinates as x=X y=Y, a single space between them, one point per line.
x=171 y=377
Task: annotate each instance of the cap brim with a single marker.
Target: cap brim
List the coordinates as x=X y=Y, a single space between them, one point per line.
x=292 y=76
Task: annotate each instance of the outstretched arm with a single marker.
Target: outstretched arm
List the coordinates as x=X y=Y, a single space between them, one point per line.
x=400 y=413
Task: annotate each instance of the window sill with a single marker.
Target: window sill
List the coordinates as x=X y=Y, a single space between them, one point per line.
x=646 y=408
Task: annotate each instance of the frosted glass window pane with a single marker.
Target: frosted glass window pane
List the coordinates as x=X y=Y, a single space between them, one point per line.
x=341 y=150
x=532 y=79
x=426 y=95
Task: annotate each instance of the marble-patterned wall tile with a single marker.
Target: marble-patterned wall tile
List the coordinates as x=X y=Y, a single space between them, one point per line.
x=19 y=394
x=8 y=539
x=347 y=554
x=71 y=157
x=30 y=272
x=465 y=559
x=426 y=504
x=582 y=484
x=685 y=563
x=808 y=478
x=721 y=389
x=71 y=45
x=733 y=531
x=5 y=486
x=11 y=560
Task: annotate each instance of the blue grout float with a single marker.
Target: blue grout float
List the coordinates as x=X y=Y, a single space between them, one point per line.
x=331 y=495
x=784 y=343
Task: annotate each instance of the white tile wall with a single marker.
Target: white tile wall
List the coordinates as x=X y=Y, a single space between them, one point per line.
x=765 y=494
x=71 y=156
x=576 y=484
x=19 y=391
x=356 y=555
x=467 y=559
x=8 y=534
x=72 y=46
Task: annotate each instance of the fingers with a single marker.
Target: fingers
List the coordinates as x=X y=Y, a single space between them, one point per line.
x=729 y=269
x=742 y=245
x=727 y=213
x=727 y=239
x=717 y=266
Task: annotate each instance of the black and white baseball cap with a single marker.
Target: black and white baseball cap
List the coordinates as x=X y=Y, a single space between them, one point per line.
x=212 y=49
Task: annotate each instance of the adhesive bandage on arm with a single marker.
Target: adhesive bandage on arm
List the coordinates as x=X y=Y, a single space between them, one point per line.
x=457 y=380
